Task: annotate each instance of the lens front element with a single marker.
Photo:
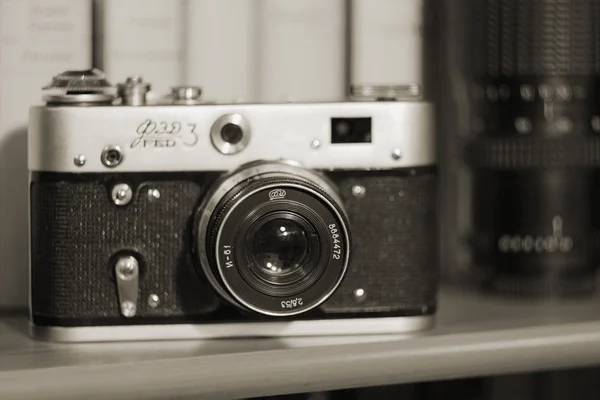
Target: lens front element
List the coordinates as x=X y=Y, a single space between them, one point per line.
x=282 y=252
x=280 y=247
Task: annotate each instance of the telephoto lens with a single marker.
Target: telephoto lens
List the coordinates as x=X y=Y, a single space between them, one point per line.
x=533 y=147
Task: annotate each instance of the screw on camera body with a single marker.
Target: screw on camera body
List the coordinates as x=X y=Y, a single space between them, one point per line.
x=121 y=194
x=153 y=301
x=359 y=191
x=128 y=309
x=79 y=160
x=127 y=268
x=153 y=194
x=360 y=295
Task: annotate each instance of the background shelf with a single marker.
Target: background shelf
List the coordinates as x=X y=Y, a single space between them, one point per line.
x=475 y=336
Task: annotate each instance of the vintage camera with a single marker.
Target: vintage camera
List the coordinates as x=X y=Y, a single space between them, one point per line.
x=185 y=219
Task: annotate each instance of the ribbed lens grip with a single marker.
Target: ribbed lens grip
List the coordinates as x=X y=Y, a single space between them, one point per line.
x=525 y=153
x=535 y=37
x=534 y=66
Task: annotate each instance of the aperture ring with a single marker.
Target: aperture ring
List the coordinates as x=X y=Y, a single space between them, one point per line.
x=510 y=153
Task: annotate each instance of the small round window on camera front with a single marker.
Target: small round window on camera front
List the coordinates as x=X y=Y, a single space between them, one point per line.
x=230 y=134
x=112 y=156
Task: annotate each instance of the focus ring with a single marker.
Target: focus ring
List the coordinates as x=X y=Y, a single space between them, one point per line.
x=508 y=153
x=521 y=37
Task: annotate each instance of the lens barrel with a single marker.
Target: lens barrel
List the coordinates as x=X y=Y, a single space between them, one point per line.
x=273 y=242
x=534 y=146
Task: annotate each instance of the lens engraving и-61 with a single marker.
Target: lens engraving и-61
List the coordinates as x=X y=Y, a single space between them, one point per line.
x=183 y=219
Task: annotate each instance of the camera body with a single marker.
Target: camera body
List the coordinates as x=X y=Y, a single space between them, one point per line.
x=183 y=219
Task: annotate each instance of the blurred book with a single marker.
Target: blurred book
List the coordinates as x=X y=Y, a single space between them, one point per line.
x=141 y=37
x=38 y=39
x=301 y=53
x=221 y=49
x=387 y=42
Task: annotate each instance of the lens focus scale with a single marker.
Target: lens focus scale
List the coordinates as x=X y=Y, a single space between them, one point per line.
x=533 y=149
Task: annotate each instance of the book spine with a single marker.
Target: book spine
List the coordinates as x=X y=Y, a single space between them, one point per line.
x=221 y=49
x=38 y=39
x=142 y=37
x=302 y=50
x=386 y=42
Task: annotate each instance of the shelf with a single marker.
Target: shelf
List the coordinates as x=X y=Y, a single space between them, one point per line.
x=475 y=336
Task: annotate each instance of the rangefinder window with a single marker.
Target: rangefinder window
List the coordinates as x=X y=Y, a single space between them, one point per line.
x=350 y=130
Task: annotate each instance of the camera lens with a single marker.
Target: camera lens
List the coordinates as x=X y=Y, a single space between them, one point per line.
x=533 y=150
x=280 y=247
x=232 y=133
x=273 y=238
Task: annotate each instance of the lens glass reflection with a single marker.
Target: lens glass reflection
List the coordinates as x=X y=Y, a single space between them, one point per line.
x=280 y=247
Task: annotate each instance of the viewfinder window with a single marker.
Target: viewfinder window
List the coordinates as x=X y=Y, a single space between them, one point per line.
x=350 y=130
